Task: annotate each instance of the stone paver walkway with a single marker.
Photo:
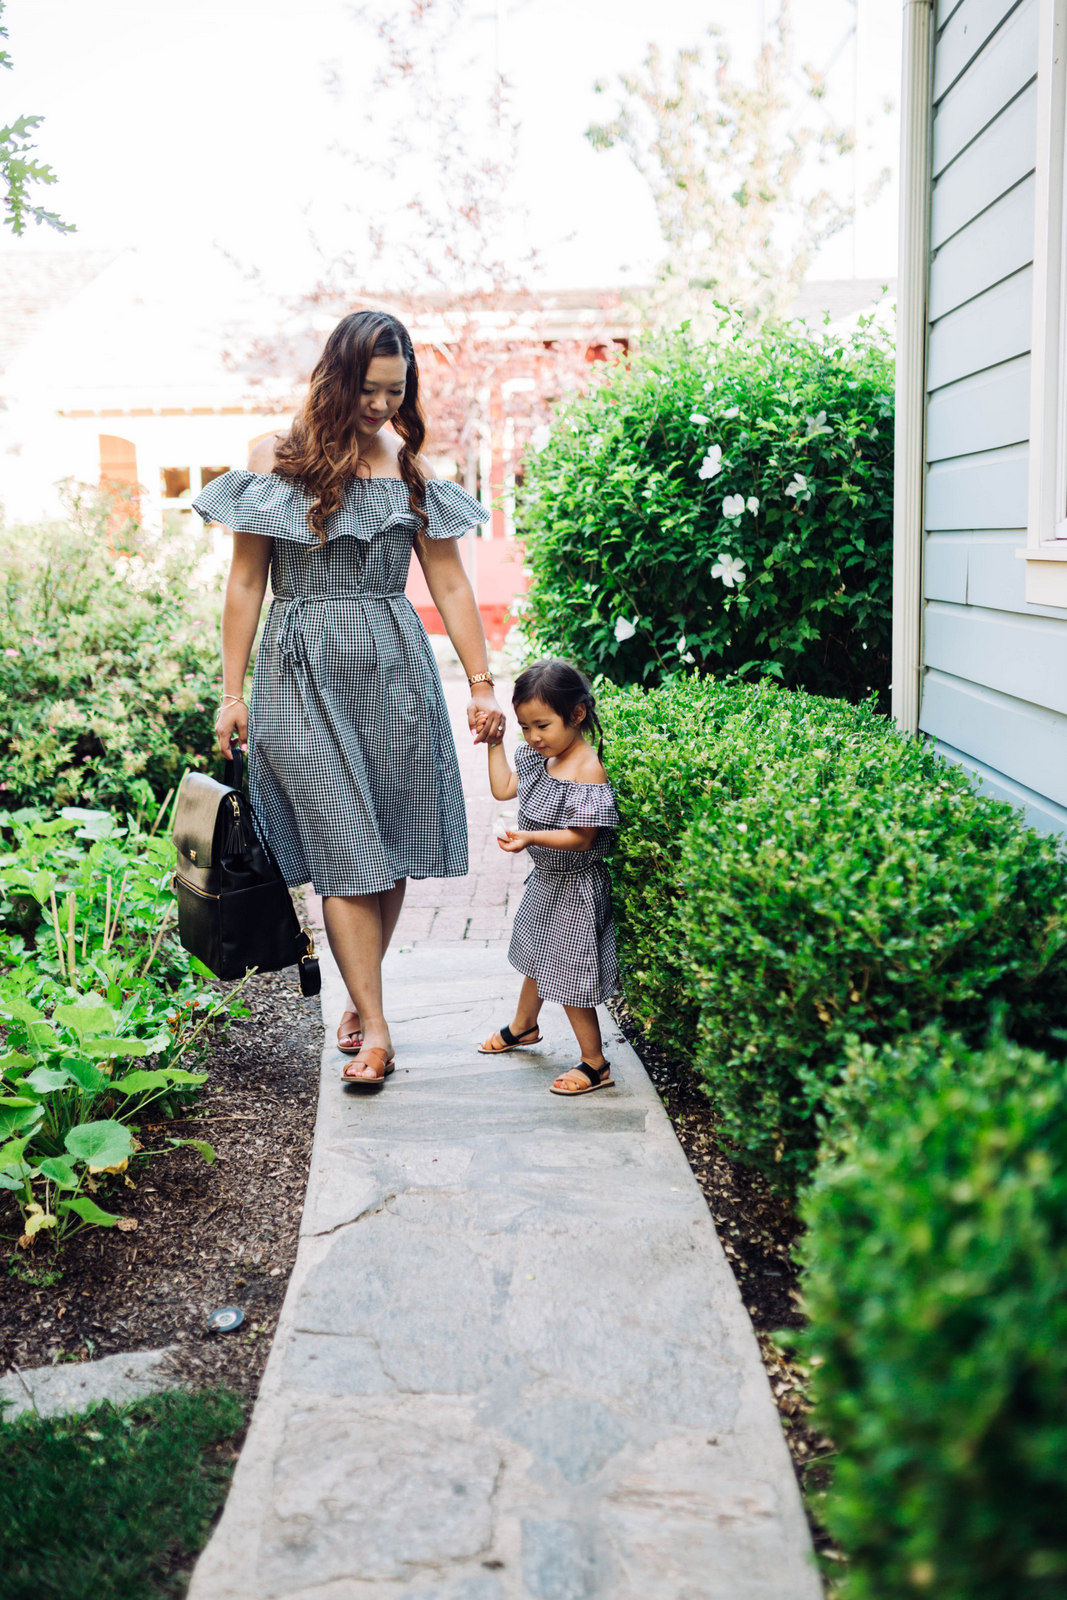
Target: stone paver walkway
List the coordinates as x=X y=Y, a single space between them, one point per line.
x=512 y=1361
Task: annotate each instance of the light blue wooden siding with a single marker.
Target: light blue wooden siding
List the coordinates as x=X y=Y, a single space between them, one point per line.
x=995 y=680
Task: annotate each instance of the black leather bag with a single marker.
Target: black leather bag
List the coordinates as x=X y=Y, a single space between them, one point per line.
x=234 y=909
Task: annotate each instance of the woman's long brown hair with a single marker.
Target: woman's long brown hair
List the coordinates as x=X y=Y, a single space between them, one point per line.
x=321 y=449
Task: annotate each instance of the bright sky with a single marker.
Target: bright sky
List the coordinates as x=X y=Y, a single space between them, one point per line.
x=184 y=125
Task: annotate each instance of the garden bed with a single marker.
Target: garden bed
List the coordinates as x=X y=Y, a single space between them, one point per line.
x=205 y=1236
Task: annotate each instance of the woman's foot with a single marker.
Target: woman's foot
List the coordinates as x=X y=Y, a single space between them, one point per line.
x=370 y=1068
x=583 y=1079
x=506 y=1038
x=350 y=1033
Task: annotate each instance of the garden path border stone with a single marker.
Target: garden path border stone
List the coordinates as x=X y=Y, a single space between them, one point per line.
x=73 y=1386
x=513 y=1360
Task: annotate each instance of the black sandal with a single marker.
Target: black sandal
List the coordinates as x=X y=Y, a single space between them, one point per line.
x=599 y=1078
x=512 y=1041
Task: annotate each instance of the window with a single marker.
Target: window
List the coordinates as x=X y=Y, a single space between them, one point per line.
x=178 y=488
x=1046 y=541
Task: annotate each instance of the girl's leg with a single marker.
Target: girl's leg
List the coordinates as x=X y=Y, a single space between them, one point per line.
x=359 y=928
x=586 y=1025
x=390 y=902
x=528 y=1009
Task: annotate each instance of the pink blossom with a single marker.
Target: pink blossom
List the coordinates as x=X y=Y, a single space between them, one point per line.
x=11 y=652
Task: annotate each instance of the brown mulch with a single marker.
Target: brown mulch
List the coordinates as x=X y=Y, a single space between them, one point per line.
x=758 y=1232
x=205 y=1236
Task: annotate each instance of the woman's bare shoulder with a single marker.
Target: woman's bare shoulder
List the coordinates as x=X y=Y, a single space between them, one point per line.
x=261 y=455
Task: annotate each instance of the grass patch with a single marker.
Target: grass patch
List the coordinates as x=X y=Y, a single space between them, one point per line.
x=113 y=1503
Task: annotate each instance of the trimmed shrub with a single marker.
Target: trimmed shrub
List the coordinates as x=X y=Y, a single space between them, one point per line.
x=936 y=1285
x=793 y=872
x=793 y=435
x=109 y=664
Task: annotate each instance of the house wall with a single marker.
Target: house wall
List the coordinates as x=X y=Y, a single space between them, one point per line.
x=994 y=692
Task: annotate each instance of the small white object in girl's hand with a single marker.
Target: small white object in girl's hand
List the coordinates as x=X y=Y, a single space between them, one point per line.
x=503 y=825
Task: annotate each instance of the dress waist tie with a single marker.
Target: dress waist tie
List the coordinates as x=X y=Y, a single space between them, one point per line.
x=289 y=632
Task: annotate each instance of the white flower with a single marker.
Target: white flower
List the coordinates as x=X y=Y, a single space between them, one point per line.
x=733 y=505
x=816 y=425
x=540 y=436
x=730 y=569
x=624 y=630
x=685 y=652
x=696 y=417
x=711 y=465
x=799 y=487
x=734 y=411
x=752 y=504
x=504 y=824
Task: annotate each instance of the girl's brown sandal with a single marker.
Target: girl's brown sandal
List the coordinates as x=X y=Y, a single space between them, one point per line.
x=599 y=1078
x=510 y=1041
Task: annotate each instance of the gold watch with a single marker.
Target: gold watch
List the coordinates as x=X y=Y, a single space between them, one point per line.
x=480 y=677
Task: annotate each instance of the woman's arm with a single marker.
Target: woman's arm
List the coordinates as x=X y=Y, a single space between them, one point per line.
x=502 y=781
x=552 y=838
x=451 y=593
x=245 y=589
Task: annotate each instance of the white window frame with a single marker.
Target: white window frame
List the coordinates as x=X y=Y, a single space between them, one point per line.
x=1045 y=552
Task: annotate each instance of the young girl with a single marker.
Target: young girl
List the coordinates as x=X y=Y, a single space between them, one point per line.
x=564 y=937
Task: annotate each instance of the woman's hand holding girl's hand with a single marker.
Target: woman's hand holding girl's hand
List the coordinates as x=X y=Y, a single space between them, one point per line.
x=232 y=719
x=484 y=717
x=513 y=841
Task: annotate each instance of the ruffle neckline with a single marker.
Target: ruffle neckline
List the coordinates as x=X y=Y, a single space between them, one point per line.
x=276 y=508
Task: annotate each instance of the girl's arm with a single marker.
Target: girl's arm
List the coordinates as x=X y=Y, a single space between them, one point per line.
x=502 y=781
x=553 y=838
x=452 y=595
x=245 y=589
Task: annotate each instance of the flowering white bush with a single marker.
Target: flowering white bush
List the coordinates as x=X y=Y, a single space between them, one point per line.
x=733 y=505
x=731 y=569
x=711 y=465
x=624 y=630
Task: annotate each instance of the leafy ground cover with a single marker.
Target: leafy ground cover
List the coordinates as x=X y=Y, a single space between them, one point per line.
x=111 y=1503
x=105 y=1013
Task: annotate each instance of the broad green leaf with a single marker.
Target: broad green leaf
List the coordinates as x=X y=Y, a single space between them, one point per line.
x=60 y=1171
x=103 y=1047
x=14 y=1064
x=94 y=824
x=179 y=1075
x=43 y=1080
x=15 y=1117
x=12 y=1152
x=85 y=1075
x=89 y=1211
x=141 y=1082
x=199 y=968
x=205 y=1149
x=90 y=1015
x=13 y=1005
x=100 y=1144
x=42 y=886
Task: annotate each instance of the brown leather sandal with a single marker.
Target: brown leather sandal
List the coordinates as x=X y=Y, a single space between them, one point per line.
x=599 y=1078
x=375 y=1057
x=511 y=1041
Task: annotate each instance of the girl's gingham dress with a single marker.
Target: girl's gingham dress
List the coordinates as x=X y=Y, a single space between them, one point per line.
x=352 y=767
x=564 y=935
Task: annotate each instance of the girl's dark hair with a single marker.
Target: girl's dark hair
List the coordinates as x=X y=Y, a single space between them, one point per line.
x=563 y=689
x=321 y=450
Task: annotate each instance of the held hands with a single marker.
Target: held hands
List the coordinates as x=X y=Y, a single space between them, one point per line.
x=484 y=717
x=512 y=840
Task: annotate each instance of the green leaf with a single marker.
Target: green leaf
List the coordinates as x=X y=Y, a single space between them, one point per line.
x=94 y=824
x=103 y=1047
x=89 y=1211
x=100 y=1144
x=205 y=1149
x=43 y=1080
x=60 y=1171
x=141 y=1082
x=90 y=1015
x=14 y=1064
x=85 y=1075
x=16 y=1115
x=13 y=1005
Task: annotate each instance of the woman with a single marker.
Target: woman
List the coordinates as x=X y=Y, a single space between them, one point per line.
x=352 y=767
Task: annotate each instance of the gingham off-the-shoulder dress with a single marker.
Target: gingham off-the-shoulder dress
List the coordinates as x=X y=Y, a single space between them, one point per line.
x=352 y=767
x=564 y=933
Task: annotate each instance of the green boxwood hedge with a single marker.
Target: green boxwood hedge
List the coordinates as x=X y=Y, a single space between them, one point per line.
x=772 y=450
x=792 y=872
x=936 y=1285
